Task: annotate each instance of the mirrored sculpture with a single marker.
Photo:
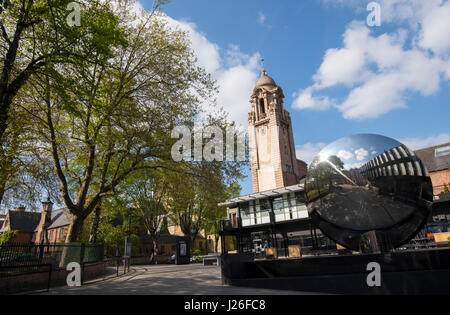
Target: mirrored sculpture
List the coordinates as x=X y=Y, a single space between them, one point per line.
x=368 y=193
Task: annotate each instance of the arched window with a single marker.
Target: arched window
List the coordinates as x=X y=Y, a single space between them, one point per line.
x=262 y=108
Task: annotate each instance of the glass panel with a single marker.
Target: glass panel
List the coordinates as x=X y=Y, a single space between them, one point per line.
x=278 y=209
x=247 y=213
x=263 y=211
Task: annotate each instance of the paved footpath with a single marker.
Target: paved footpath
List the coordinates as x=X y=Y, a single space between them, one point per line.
x=167 y=280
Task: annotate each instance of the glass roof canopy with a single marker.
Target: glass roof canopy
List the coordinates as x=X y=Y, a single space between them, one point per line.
x=232 y=203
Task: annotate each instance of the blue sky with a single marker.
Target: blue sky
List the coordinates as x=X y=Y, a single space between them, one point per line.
x=339 y=75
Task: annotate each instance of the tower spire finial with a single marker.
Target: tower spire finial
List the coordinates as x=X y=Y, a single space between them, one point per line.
x=264 y=72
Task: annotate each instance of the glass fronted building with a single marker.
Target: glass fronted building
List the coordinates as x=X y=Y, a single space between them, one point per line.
x=274 y=219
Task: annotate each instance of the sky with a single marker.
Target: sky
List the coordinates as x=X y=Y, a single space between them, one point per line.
x=340 y=75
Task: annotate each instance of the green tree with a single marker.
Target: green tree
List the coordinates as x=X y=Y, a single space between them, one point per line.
x=146 y=194
x=196 y=192
x=34 y=33
x=36 y=37
x=99 y=122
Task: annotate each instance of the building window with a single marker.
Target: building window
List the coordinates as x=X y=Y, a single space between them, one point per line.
x=290 y=207
x=61 y=234
x=255 y=212
x=442 y=151
x=262 y=108
x=262 y=211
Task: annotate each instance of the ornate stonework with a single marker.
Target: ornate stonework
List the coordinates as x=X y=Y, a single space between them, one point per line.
x=272 y=148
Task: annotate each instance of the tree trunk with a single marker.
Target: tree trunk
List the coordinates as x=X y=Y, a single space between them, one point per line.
x=2 y=193
x=5 y=104
x=95 y=223
x=155 y=250
x=76 y=224
x=216 y=244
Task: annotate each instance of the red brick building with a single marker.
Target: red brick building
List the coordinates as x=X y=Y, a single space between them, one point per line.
x=48 y=226
x=437 y=161
x=23 y=222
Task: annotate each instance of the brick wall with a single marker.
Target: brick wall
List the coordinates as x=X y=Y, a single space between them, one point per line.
x=439 y=179
x=22 y=238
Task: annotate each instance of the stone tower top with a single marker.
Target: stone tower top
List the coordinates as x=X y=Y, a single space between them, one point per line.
x=272 y=148
x=265 y=81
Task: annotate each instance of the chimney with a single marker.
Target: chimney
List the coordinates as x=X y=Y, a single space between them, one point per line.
x=46 y=214
x=21 y=209
x=47 y=206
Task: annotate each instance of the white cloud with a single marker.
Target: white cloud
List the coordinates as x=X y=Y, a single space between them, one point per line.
x=305 y=100
x=343 y=154
x=308 y=151
x=261 y=17
x=207 y=52
x=353 y=166
x=236 y=86
x=435 y=33
x=420 y=143
x=380 y=71
x=236 y=72
x=361 y=154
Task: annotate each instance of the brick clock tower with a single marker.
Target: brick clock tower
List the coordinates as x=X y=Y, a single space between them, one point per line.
x=272 y=148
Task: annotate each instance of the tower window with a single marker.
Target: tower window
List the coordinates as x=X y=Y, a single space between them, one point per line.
x=261 y=106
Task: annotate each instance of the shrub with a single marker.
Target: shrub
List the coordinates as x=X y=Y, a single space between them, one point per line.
x=6 y=237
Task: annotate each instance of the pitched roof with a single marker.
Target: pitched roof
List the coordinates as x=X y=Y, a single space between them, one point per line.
x=23 y=221
x=59 y=218
x=433 y=163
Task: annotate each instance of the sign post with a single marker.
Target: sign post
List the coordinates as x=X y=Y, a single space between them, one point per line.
x=183 y=256
x=127 y=253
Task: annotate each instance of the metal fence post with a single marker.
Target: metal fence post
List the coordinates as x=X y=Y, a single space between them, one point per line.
x=41 y=253
x=82 y=253
x=49 y=277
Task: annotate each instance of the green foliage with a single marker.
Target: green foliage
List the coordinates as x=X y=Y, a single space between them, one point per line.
x=446 y=190
x=108 y=115
x=4 y=5
x=96 y=113
x=6 y=237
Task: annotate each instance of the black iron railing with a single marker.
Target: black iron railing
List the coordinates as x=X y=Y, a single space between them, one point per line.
x=24 y=258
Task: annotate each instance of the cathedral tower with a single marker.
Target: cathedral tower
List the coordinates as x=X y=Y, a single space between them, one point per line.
x=272 y=149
